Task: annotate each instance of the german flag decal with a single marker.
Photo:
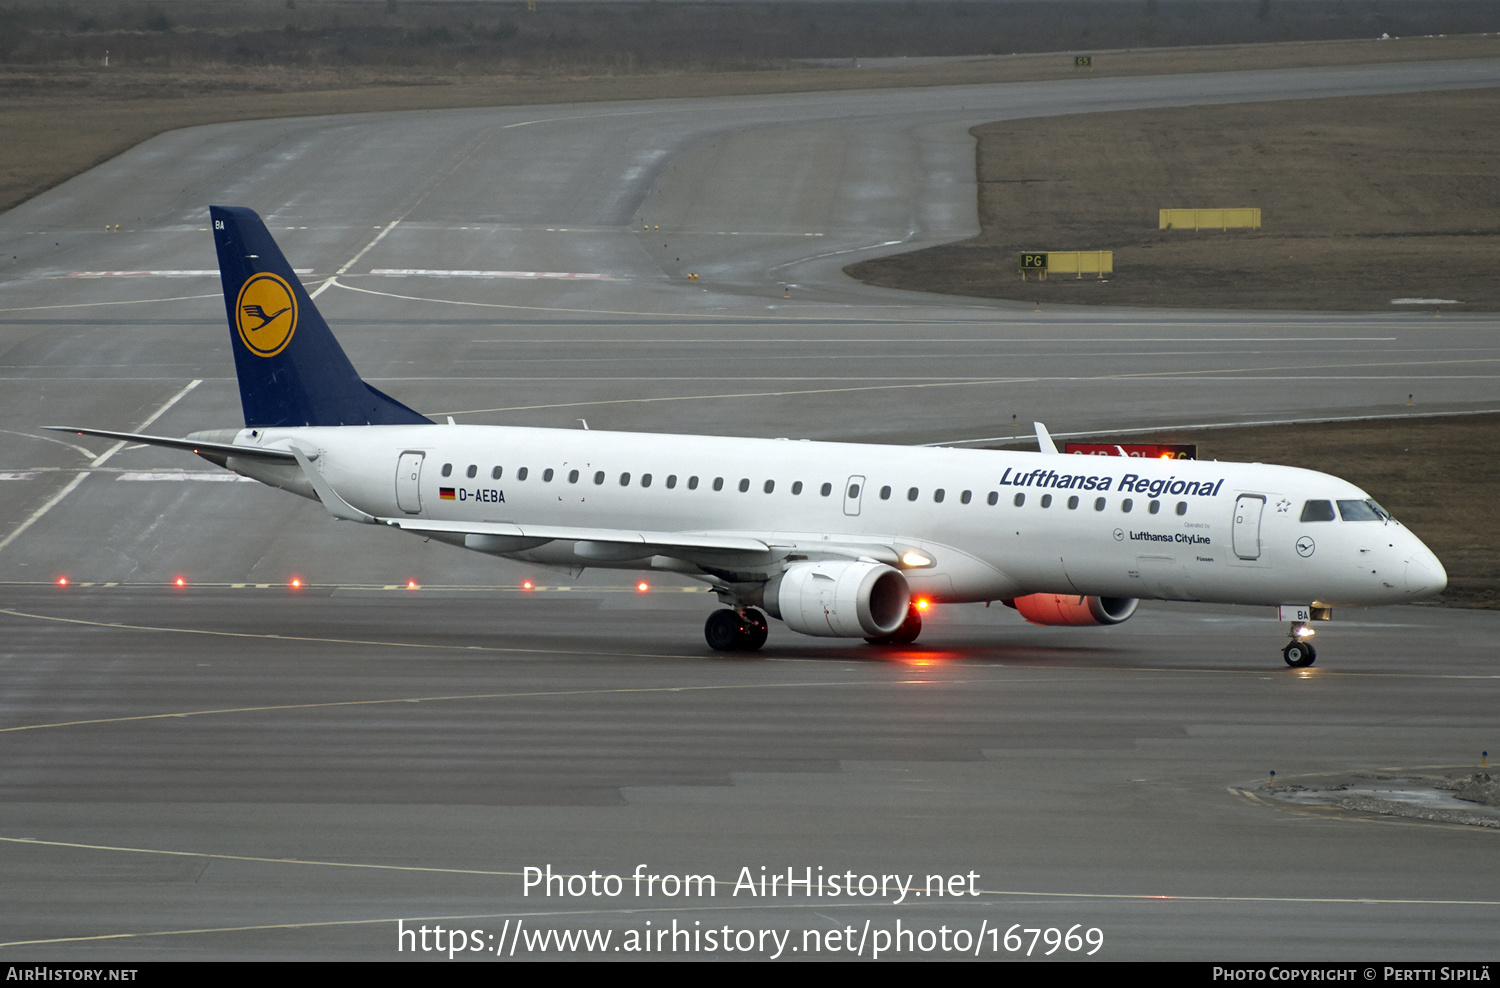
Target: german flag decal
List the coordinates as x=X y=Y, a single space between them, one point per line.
x=445 y=493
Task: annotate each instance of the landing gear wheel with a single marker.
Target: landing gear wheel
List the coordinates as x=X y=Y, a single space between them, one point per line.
x=753 y=630
x=1299 y=655
x=911 y=627
x=724 y=630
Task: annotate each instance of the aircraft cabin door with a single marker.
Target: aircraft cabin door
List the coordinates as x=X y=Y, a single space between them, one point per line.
x=1246 y=533
x=408 y=477
x=854 y=490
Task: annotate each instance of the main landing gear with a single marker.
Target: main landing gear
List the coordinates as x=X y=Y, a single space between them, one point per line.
x=1299 y=653
x=730 y=630
x=910 y=628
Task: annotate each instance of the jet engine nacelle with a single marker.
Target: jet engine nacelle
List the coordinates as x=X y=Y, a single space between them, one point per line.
x=839 y=599
x=1056 y=608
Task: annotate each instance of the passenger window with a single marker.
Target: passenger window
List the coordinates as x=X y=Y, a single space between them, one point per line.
x=495 y=473
x=770 y=486
x=1317 y=511
x=825 y=490
x=1182 y=507
x=521 y=474
x=1154 y=507
x=572 y=476
x=966 y=497
x=473 y=471
x=1072 y=502
x=1046 y=500
x=645 y=480
x=1099 y=504
x=911 y=493
x=937 y=496
x=671 y=481
x=744 y=484
x=885 y=493
x=692 y=483
x=547 y=476
x=1126 y=505
x=718 y=483
x=599 y=477
x=447 y=469
x=994 y=498
x=797 y=487
x=853 y=491
x=1020 y=499
x=624 y=480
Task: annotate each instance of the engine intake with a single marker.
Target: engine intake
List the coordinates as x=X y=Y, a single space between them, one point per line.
x=855 y=599
x=1056 y=608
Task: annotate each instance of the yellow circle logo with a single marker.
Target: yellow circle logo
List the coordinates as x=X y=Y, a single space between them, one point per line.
x=266 y=314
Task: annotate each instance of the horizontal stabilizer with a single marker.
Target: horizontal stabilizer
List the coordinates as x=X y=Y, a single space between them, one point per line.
x=191 y=445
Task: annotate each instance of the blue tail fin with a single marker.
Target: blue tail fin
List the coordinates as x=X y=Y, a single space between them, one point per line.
x=291 y=369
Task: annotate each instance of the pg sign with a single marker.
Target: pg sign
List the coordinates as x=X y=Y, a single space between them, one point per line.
x=1033 y=262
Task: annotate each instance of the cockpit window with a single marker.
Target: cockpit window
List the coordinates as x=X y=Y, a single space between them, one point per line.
x=1363 y=511
x=1318 y=511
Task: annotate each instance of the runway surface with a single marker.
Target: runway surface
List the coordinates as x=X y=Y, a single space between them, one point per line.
x=237 y=768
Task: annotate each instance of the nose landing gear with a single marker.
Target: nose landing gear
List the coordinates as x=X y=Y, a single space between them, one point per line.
x=1299 y=653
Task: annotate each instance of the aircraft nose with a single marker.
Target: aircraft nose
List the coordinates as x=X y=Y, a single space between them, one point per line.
x=1425 y=576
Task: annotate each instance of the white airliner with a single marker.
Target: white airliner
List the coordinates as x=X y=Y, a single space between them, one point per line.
x=834 y=539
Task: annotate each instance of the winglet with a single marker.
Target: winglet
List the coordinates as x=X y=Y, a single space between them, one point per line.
x=1044 y=441
x=336 y=505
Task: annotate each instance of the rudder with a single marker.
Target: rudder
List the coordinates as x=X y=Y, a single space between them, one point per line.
x=291 y=369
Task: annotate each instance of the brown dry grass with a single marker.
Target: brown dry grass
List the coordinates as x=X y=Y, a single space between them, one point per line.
x=1437 y=475
x=1363 y=200
x=58 y=121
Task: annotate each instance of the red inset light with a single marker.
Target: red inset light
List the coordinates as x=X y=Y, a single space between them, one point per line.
x=411 y=584
x=295 y=583
x=181 y=581
x=642 y=587
x=62 y=581
x=525 y=584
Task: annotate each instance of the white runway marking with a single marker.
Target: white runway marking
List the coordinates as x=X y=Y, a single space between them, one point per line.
x=36 y=515
x=439 y=273
x=165 y=273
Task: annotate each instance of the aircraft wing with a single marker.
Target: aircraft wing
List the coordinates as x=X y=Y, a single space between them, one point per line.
x=596 y=543
x=191 y=445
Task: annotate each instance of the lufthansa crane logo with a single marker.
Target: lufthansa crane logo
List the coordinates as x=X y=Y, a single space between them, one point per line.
x=266 y=314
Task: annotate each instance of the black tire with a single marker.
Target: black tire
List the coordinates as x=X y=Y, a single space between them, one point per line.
x=723 y=630
x=754 y=630
x=1299 y=655
x=911 y=627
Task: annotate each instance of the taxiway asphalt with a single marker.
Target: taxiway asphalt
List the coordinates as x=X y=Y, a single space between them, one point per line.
x=240 y=769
